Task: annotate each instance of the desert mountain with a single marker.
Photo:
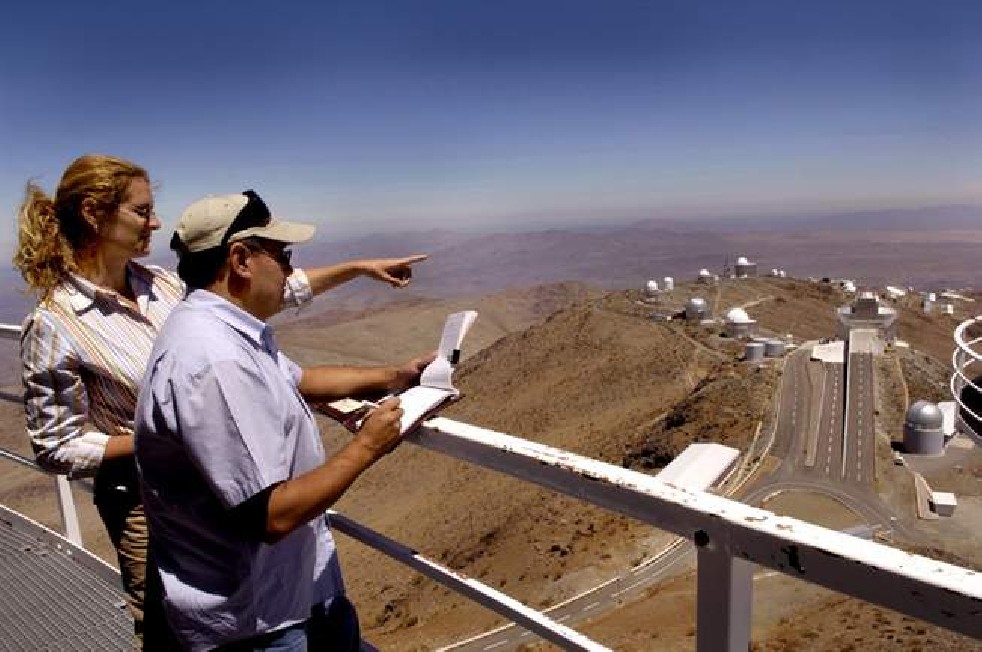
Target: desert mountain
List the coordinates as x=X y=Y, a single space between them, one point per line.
x=568 y=366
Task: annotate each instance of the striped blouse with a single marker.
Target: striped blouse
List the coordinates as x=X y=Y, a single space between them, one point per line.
x=84 y=352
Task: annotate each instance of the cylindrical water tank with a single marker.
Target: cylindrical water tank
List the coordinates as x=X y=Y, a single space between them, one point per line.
x=773 y=348
x=668 y=283
x=753 y=352
x=924 y=429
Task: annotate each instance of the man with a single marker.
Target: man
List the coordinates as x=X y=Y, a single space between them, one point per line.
x=232 y=469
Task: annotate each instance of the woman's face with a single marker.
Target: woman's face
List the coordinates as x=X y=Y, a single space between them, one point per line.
x=129 y=231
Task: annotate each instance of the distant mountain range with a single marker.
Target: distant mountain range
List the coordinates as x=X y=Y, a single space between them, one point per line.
x=925 y=247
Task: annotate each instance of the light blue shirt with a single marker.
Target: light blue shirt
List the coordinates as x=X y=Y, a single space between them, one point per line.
x=219 y=418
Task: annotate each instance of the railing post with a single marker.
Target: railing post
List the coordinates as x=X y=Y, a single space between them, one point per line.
x=66 y=505
x=724 y=599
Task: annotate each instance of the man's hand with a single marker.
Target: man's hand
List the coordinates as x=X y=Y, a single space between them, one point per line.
x=381 y=432
x=397 y=272
x=407 y=375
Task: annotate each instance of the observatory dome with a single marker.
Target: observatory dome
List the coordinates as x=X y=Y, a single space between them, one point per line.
x=651 y=287
x=742 y=260
x=696 y=308
x=923 y=415
x=738 y=316
x=703 y=272
x=924 y=429
x=696 y=303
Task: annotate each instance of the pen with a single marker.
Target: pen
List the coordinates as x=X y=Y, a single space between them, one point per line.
x=375 y=404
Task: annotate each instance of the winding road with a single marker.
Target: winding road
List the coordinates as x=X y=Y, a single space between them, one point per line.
x=821 y=451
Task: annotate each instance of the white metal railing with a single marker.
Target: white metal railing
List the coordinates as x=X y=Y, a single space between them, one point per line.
x=66 y=503
x=965 y=385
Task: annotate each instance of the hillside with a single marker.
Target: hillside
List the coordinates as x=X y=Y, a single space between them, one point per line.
x=586 y=371
x=589 y=379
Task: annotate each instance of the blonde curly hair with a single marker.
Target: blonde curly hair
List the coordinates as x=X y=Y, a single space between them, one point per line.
x=52 y=233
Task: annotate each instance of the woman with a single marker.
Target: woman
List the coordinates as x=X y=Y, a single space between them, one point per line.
x=86 y=344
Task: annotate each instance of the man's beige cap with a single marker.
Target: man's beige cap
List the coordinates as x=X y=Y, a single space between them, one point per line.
x=204 y=224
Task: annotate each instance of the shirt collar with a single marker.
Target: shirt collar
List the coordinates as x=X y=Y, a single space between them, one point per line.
x=82 y=292
x=255 y=330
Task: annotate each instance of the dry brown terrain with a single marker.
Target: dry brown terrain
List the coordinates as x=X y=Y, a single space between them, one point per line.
x=593 y=374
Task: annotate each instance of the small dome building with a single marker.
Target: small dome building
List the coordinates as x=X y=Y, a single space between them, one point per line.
x=651 y=289
x=696 y=309
x=924 y=429
x=739 y=324
x=745 y=268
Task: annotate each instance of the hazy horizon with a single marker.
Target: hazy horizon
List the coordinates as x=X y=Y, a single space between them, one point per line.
x=500 y=116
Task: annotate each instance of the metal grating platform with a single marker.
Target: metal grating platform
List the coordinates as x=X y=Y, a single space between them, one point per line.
x=54 y=596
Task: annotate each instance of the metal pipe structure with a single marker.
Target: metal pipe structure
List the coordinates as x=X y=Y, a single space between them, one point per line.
x=966 y=360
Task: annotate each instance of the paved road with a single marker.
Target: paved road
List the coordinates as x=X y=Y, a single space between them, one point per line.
x=808 y=438
x=813 y=460
x=677 y=558
x=858 y=464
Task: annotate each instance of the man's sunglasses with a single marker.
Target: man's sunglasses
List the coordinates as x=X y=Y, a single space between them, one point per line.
x=281 y=255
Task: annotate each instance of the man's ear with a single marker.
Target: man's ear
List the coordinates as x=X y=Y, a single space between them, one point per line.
x=238 y=260
x=90 y=213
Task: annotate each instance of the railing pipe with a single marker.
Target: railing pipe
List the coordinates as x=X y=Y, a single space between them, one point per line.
x=940 y=593
x=724 y=600
x=63 y=490
x=530 y=619
x=66 y=507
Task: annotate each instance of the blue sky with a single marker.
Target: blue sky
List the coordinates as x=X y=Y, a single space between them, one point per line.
x=369 y=116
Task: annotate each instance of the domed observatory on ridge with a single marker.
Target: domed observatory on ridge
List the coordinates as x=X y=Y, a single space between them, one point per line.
x=924 y=429
x=651 y=291
x=696 y=309
x=745 y=268
x=739 y=324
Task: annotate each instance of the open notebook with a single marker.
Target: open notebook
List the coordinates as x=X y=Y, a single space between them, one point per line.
x=434 y=392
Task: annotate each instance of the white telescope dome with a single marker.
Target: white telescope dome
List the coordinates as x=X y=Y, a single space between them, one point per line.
x=703 y=272
x=742 y=260
x=651 y=287
x=738 y=316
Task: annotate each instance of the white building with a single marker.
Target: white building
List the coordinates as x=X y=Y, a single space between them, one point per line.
x=739 y=324
x=745 y=268
x=944 y=503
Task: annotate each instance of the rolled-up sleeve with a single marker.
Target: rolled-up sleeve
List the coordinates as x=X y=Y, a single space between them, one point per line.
x=56 y=402
x=297 y=292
